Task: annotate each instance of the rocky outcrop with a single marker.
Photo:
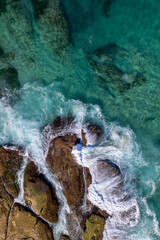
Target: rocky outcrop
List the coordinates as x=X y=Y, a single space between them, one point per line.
x=16 y=221
x=24 y=224
x=6 y=202
x=10 y=162
x=68 y=172
x=73 y=178
x=84 y=221
x=94 y=228
x=40 y=194
x=64 y=237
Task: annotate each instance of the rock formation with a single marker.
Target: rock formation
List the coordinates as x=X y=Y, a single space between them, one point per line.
x=40 y=195
x=85 y=221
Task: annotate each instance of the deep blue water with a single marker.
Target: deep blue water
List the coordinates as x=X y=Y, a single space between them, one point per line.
x=61 y=67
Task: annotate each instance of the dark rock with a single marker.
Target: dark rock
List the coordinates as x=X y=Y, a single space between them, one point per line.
x=108 y=51
x=60 y=123
x=95 y=129
x=107 y=168
x=40 y=194
x=84 y=140
x=39 y=7
x=110 y=78
x=10 y=76
x=2 y=6
x=139 y=80
x=107 y=6
x=1 y=52
x=64 y=237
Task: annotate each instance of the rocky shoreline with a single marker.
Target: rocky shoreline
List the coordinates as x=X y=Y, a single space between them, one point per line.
x=36 y=219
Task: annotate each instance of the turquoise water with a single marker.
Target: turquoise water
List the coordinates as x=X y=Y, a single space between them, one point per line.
x=59 y=81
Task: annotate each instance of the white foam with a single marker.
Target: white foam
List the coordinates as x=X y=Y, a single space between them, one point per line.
x=105 y=190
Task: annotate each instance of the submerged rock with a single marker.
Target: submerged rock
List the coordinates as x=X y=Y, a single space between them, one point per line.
x=139 y=80
x=52 y=23
x=107 y=6
x=2 y=6
x=39 y=7
x=24 y=224
x=10 y=77
x=110 y=77
x=40 y=194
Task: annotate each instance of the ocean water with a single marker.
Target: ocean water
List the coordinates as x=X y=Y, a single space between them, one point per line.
x=51 y=85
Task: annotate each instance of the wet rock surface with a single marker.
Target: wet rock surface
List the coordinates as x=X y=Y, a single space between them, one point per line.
x=84 y=221
x=94 y=228
x=24 y=224
x=18 y=222
x=74 y=179
x=6 y=201
x=10 y=163
x=40 y=194
x=68 y=172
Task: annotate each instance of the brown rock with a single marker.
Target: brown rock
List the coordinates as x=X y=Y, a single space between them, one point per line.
x=95 y=129
x=64 y=237
x=84 y=140
x=25 y=225
x=40 y=194
x=94 y=228
x=6 y=202
x=10 y=162
x=73 y=178
x=68 y=172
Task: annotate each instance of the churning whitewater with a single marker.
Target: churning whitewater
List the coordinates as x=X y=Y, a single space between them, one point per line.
x=110 y=190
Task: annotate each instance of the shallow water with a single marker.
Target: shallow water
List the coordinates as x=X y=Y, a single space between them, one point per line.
x=59 y=85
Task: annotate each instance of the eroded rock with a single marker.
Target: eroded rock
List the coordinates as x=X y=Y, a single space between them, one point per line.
x=40 y=194
x=24 y=224
x=94 y=228
x=6 y=201
x=74 y=178
x=64 y=237
x=68 y=172
x=10 y=163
